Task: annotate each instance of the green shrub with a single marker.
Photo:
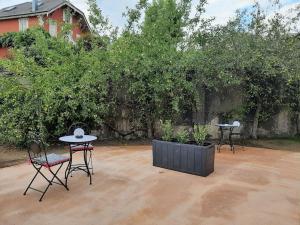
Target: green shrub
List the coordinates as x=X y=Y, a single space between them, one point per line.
x=52 y=85
x=200 y=133
x=167 y=129
x=182 y=136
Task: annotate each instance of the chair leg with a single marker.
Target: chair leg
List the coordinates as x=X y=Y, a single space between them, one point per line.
x=57 y=178
x=231 y=144
x=91 y=162
x=54 y=177
x=37 y=172
x=67 y=172
x=41 y=198
x=87 y=166
x=219 y=146
x=243 y=142
x=220 y=140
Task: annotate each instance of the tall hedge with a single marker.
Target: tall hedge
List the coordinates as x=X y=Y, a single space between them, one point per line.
x=151 y=71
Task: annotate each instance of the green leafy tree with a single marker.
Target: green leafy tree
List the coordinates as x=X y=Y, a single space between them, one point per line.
x=252 y=52
x=267 y=65
x=148 y=64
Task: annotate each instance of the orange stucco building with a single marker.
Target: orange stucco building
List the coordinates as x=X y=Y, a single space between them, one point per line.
x=49 y=14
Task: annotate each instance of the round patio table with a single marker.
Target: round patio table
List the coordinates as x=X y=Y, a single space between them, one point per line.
x=84 y=141
x=222 y=128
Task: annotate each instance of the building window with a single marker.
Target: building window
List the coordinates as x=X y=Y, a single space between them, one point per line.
x=23 y=24
x=67 y=16
x=41 y=20
x=53 y=28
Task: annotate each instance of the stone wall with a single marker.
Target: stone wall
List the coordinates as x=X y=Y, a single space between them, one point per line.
x=281 y=124
x=210 y=112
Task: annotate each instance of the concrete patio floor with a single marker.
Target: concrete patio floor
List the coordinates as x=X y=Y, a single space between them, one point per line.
x=255 y=186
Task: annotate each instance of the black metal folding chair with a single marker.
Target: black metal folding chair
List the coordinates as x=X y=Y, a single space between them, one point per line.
x=39 y=159
x=81 y=148
x=237 y=132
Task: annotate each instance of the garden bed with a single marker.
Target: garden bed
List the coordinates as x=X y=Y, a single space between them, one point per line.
x=187 y=158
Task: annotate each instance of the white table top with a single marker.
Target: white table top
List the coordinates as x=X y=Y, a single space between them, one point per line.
x=226 y=125
x=73 y=139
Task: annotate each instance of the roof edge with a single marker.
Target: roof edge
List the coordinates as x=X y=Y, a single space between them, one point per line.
x=74 y=8
x=22 y=15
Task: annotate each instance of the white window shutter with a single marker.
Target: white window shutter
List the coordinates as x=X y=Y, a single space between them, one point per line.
x=67 y=16
x=23 y=24
x=53 y=28
x=41 y=20
x=64 y=15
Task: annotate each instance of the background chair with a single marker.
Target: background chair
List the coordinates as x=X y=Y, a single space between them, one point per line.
x=80 y=148
x=237 y=132
x=40 y=159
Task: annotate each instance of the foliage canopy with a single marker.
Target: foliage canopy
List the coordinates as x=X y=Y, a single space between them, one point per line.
x=151 y=71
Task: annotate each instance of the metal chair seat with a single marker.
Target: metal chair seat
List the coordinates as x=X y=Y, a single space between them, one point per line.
x=51 y=160
x=76 y=148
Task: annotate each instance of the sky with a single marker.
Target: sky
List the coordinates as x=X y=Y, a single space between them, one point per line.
x=222 y=10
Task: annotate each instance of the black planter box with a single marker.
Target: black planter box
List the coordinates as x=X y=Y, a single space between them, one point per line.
x=187 y=158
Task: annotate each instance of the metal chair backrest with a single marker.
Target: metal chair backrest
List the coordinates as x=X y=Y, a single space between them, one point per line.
x=236 y=123
x=36 y=150
x=237 y=127
x=81 y=125
x=35 y=147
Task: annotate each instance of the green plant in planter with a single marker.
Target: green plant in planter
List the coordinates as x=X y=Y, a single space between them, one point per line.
x=182 y=136
x=200 y=133
x=167 y=129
